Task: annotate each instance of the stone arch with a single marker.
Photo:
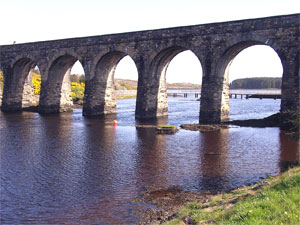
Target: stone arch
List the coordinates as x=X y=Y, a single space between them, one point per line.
x=107 y=51
x=56 y=89
x=18 y=90
x=53 y=57
x=158 y=105
x=222 y=72
x=100 y=92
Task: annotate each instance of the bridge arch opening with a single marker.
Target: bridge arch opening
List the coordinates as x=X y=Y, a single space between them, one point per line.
x=179 y=73
x=252 y=82
x=18 y=86
x=56 y=92
x=125 y=86
x=106 y=86
x=77 y=80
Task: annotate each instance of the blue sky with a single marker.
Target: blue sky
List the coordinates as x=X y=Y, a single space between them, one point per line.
x=33 y=20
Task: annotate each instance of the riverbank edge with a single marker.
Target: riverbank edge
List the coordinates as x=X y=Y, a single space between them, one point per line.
x=289 y=122
x=242 y=205
x=218 y=208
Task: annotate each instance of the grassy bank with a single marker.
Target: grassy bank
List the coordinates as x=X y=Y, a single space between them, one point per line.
x=120 y=97
x=275 y=200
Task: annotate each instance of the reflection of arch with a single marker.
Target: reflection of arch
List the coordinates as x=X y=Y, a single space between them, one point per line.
x=158 y=70
x=18 y=89
x=222 y=72
x=100 y=89
x=152 y=160
x=56 y=90
x=214 y=162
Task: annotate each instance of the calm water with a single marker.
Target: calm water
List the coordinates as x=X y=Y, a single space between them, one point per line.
x=67 y=169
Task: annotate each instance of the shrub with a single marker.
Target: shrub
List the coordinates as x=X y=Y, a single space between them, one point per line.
x=77 y=91
x=36 y=82
x=1 y=80
x=290 y=120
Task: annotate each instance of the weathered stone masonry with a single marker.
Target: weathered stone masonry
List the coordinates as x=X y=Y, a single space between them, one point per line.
x=214 y=44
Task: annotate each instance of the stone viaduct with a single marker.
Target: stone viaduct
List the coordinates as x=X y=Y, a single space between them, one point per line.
x=214 y=44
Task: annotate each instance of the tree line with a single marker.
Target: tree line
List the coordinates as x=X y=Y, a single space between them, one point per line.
x=257 y=83
x=77 y=78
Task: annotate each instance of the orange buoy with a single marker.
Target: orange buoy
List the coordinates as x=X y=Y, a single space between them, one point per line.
x=115 y=122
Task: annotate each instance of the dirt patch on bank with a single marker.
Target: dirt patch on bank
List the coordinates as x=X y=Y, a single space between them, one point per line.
x=165 y=203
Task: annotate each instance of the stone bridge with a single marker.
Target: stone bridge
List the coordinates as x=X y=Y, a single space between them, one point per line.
x=214 y=44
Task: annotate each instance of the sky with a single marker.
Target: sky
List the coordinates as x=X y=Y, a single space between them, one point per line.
x=37 y=20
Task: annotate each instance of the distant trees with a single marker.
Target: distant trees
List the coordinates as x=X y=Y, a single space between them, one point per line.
x=122 y=84
x=77 y=78
x=257 y=83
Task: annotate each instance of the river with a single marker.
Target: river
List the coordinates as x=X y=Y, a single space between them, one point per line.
x=68 y=169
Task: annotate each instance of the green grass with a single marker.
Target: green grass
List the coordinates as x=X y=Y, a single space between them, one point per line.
x=125 y=96
x=276 y=203
x=167 y=126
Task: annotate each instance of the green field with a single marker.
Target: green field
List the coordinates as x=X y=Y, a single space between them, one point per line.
x=276 y=202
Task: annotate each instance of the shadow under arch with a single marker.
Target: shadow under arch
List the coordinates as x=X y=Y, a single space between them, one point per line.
x=18 y=91
x=100 y=95
x=56 y=89
x=158 y=105
x=222 y=72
